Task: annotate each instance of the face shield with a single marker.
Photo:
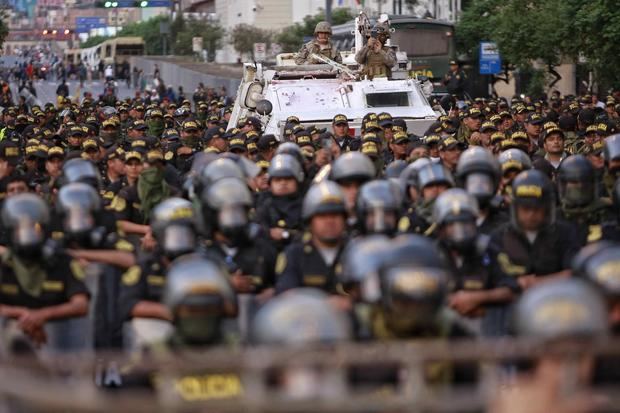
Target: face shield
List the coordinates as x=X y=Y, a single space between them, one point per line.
x=178 y=240
x=481 y=186
x=378 y=220
x=28 y=238
x=460 y=235
x=198 y=319
x=233 y=221
x=574 y=193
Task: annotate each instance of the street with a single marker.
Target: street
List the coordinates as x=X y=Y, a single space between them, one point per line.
x=46 y=89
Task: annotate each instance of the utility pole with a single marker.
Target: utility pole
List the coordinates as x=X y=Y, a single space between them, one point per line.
x=328 y=11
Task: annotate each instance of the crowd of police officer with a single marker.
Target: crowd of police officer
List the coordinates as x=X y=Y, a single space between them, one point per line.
x=152 y=224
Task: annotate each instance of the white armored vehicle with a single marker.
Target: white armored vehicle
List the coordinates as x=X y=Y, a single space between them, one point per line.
x=316 y=93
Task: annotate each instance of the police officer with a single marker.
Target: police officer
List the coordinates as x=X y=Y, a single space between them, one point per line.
x=85 y=237
x=37 y=287
x=454 y=80
x=233 y=240
x=350 y=171
x=320 y=45
x=479 y=288
x=279 y=211
x=580 y=203
x=433 y=179
x=525 y=240
x=478 y=172
x=142 y=285
x=377 y=58
x=314 y=261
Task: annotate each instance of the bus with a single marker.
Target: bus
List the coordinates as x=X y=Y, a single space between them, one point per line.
x=112 y=52
x=429 y=44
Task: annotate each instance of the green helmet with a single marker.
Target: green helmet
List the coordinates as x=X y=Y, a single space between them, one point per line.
x=323 y=27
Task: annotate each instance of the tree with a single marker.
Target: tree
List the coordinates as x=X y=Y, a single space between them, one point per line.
x=211 y=33
x=596 y=34
x=94 y=41
x=291 y=38
x=149 y=31
x=244 y=36
x=4 y=29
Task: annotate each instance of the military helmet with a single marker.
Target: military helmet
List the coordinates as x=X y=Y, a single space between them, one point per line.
x=479 y=173
x=374 y=199
x=81 y=170
x=612 y=147
x=361 y=261
x=322 y=198
x=514 y=160
x=352 y=166
x=416 y=250
x=300 y=317
x=561 y=309
x=323 y=27
x=286 y=166
x=291 y=149
x=576 y=181
x=173 y=224
x=433 y=174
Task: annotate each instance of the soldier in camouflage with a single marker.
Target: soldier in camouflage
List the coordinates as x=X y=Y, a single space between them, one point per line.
x=320 y=45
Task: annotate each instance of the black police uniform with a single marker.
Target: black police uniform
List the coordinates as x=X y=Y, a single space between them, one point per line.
x=480 y=270
x=302 y=265
x=280 y=212
x=552 y=250
x=64 y=278
x=255 y=258
x=588 y=221
x=144 y=281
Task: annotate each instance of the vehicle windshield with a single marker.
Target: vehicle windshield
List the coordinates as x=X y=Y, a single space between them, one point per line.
x=387 y=99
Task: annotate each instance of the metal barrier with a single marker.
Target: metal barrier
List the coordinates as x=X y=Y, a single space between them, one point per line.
x=292 y=379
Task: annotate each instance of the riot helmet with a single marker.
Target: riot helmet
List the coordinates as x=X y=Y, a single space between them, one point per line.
x=300 y=317
x=561 y=309
x=80 y=207
x=576 y=181
x=173 y=226
x=478 y=172
x=26 y=218
x=199 y=296
x=378 y=206
x=533 y=191
x=455 y=212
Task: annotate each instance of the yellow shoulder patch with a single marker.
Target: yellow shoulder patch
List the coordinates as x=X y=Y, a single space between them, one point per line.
x=169 y=155
x=118 y=204
x=595 y=232
x=404 y=224
x=77 y=270
x=123 y=245
x=508 y=267
x=280 y=263
x=132 y=276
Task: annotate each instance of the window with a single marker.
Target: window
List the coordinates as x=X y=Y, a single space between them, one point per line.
x=389 y=99
x=421 y=42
